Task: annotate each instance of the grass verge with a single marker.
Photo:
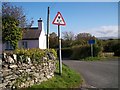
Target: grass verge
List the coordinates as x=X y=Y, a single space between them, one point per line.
x=99 y=58
x=68 y=79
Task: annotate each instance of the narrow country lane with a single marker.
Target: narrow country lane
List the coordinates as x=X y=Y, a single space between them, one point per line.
x=99 y=74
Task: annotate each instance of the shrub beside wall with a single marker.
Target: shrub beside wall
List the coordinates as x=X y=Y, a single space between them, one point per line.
x=66 y=52
x=79 y=52
x=97 y=50
x=117 y=52
x=112 y=46
x=35 y=54
x=116 y=49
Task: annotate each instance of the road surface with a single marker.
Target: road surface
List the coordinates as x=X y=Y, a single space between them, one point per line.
x=99 y=74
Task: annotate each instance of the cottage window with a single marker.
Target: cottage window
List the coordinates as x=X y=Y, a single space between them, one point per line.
x=24 y=44
x=8 y=46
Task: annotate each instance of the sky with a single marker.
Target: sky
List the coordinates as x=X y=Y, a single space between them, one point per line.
x=98 y=18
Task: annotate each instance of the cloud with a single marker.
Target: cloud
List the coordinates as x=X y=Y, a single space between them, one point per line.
x=104 y=31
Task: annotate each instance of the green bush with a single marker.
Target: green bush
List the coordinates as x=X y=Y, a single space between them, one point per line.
x=97 y=50
x=35 y=54
x=116 y=49
x=117 y=53
x=110 y=45
x=66 y=52
x=53 y=51
x=80 y=52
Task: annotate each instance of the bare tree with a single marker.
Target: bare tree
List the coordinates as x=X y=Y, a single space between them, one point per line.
x=68 y=39
x=53 y=40
x=68 y=35
x=17 y=12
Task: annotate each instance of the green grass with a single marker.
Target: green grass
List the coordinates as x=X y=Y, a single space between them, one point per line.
x=91 y=59
x=68 y=79
x=99 y=58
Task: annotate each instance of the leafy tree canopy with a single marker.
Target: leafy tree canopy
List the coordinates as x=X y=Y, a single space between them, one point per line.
x=10 y=30
x=53 y=40
x=17 y=12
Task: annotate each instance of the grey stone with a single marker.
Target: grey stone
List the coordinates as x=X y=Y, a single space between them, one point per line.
x=4 y=55
x=28 y=78
x=17 y=72
x=8 y=77
x=31 y=82
x=21 y=71
x=25 y=65
x=36 y=74
x=15 y=57
x=28 y=70
x=29 y=60
x=44 y=79
x=22 y=85
x=13 y=66
x=42 y=75
x=36 y=80
x=0 y=62
x=48 y=76
x=33 y=67
x=5 y=66
x=9 y=84
x=3 y=84
x=10 y=59
x=52 y=74
x=6 y=72
x=27 y=84
x=37 y=71
x=1 y=79
x=40 y=80
x=13 y=82
x=13 y=77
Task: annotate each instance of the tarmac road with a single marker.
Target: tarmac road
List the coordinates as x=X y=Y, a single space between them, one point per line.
x=99 y=74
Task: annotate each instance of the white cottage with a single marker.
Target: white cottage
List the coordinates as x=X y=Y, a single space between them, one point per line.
x=33 y=37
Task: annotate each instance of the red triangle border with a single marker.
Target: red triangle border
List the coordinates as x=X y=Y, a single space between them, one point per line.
x=55 y=19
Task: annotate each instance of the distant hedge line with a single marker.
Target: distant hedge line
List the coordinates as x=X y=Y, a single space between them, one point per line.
x=80 y=52
x=112 y=46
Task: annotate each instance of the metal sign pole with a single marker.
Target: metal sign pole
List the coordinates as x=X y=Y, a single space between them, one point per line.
x=58 y=20
x=92 y=50
x=60 y=60
x=48 y=26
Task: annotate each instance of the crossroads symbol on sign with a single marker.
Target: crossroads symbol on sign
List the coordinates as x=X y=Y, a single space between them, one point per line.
x=59 y=20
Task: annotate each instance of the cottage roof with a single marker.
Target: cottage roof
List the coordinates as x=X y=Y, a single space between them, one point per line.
x=31 y=34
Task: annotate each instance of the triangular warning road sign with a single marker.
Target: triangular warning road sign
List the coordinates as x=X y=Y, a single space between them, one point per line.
x=59 y=20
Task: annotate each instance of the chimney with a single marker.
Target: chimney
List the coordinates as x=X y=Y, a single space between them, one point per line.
x=40 y=24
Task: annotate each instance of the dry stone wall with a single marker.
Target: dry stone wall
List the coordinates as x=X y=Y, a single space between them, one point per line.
x=22 y=75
